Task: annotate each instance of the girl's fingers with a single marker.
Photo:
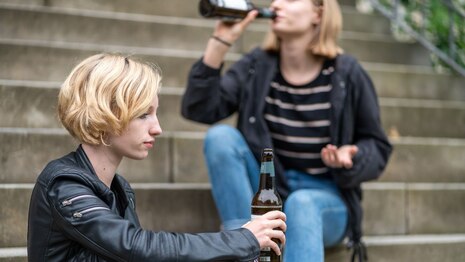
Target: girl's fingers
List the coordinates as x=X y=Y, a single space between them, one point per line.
x=275 y=214
x=279 y=235
x=275 y=247
x=249 y=18
x=278 y=223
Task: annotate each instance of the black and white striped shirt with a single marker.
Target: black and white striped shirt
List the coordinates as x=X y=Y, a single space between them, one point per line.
x=298 y=119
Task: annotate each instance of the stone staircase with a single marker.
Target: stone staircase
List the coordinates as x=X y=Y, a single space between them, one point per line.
x=415 y=212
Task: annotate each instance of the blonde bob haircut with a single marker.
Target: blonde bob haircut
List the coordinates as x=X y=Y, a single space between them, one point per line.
x=325 y=42
x=104 y=93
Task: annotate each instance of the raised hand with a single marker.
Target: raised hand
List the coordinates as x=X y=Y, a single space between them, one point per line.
x=335 y=157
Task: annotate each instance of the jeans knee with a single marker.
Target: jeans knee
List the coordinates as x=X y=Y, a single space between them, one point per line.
x=220 y=140
x=302 y=205
x=299 y=199
x=220 y=136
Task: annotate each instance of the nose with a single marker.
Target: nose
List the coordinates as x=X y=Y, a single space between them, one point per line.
x=275 y=4
x=155 y=129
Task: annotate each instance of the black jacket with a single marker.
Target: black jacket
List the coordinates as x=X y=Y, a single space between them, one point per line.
x=73 y=216
x=210 y=97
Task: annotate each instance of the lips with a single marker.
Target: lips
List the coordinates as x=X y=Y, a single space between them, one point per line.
x=149 y=144
x=277 y=18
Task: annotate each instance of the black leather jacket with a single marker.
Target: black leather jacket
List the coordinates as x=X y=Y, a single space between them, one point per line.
x=73 y=216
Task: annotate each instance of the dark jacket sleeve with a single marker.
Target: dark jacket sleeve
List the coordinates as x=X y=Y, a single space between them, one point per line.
x=88 y=220
x=374 y=148
x=210 y=96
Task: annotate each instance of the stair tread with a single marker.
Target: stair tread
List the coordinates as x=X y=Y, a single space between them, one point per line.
x=230 y=56
x=404 y=140
x=369 y=241
x=384 y=101
x=140 y=17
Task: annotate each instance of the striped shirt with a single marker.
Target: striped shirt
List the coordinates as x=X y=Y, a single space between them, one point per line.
x=298 y=119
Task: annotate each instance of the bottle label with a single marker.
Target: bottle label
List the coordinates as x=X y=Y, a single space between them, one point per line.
x=234 y=4
x=267 y=168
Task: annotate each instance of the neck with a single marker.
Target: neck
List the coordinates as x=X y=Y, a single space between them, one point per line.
x=298 y=65
x=103 y=161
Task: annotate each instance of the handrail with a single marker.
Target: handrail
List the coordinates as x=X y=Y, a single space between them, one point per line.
x=395 y=13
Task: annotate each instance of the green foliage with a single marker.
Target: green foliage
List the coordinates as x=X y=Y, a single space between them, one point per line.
x=433 y=19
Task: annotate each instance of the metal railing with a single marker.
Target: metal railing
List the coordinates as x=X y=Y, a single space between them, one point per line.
x=439 y=25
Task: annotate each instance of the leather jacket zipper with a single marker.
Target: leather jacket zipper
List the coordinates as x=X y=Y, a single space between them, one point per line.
x=70 y=201
x=81 y=213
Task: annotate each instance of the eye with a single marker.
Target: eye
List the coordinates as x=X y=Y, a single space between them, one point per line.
x=143 y=116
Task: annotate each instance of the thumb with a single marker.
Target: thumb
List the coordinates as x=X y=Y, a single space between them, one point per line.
x=353 y=150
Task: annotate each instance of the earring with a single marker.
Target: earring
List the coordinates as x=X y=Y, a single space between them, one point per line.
x=102 y=134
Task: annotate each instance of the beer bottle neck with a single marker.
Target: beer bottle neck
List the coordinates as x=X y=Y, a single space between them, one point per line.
x=267 y=180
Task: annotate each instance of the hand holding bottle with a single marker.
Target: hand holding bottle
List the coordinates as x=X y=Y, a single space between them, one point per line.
x=267 y=227
x=224 y=35
x=231 y=31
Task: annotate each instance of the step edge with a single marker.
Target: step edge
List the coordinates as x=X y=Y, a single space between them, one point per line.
x=421 y=103
x=168 y=90
x=414 y=239
x=13 y=252
x=369 y=241
x=369 y=186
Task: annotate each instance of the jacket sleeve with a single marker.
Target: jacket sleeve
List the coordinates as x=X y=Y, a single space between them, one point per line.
x=83 y=217
x=210 y=96
x=374 y=148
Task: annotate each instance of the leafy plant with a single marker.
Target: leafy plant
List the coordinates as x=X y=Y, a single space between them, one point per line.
x=434 y=20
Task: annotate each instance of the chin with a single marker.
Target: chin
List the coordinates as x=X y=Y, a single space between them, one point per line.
x=138 y=157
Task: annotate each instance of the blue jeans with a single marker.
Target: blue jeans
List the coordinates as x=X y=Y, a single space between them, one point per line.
x=316 y=214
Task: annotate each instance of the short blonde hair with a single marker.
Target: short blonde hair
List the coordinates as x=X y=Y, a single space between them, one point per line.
x=104 y=93
x=325 y=43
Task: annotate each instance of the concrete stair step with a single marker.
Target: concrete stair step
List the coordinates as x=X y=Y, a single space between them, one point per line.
x=390 y=209
x=423 y=118
x=445 y=248
x=183 y=8
x=103 y=26
x=393 y=81
x=34 y=106
x=365 y=47
x=178 y=157
x=52 y=61
x=407 y=249
x=172 y=32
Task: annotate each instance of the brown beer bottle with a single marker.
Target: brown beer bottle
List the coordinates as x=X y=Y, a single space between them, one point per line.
x=231 y=9
x=267 y=198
